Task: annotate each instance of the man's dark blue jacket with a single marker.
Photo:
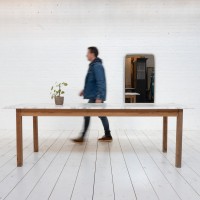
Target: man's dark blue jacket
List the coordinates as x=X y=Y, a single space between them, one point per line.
x=95 y=81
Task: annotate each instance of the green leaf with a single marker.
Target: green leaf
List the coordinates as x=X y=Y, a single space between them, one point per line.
x=56 y=90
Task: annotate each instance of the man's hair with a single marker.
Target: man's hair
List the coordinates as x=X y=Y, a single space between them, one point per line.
x=94 y=50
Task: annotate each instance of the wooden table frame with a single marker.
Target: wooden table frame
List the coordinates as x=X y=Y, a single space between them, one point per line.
x=165 y=113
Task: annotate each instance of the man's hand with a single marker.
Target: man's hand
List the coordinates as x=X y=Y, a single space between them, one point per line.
x=98 y=101
x=81 y=93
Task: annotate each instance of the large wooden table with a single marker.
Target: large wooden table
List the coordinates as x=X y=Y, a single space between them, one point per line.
x=118 y=110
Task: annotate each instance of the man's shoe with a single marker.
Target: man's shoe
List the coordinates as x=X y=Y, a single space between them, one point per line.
x=105 y=139
x=78 y=139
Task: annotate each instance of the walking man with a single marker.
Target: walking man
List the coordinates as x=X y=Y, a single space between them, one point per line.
x=95 y=91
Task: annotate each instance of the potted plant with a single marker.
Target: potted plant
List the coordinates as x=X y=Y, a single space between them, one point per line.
x=57 y=91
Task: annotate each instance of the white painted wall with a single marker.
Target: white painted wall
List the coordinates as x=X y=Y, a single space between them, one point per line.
x=44 y=41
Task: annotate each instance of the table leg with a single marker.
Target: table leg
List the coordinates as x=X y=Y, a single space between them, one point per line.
x=35 y=133
x=134 y=99
x=19 y=138
x=179 y=130
x=165 y=123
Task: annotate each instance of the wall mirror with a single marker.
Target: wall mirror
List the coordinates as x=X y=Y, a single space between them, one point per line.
x=139 y=78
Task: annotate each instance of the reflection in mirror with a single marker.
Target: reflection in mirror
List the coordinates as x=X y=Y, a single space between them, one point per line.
x=139 y=78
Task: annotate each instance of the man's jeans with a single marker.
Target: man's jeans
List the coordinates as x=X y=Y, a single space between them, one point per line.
x=104 y=121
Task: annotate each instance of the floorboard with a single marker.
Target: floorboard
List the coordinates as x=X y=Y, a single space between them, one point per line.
x=103 y=185
x=83 y=188
x=123 y=187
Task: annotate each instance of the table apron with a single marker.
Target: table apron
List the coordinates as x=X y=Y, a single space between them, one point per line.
x=99 y=112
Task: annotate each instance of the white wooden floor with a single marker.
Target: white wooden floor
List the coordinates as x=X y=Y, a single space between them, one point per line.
x=131 y=167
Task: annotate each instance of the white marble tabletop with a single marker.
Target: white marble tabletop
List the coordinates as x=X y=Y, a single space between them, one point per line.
x=131 y=93
x=95 y=106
